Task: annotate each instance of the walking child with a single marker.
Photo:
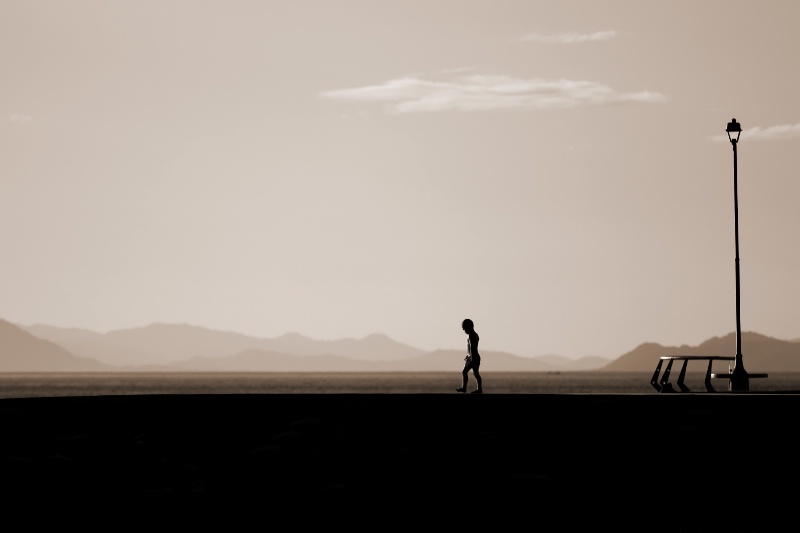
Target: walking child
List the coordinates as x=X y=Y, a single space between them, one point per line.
x=473 y=359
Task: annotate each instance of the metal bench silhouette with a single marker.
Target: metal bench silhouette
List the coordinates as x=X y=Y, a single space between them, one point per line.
x=662 y=384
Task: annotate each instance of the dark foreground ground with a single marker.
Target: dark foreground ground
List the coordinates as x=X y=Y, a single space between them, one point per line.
x=649 y=462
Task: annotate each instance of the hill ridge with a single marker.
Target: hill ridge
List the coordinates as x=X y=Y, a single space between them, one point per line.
x=760 y=353
x=185 y=347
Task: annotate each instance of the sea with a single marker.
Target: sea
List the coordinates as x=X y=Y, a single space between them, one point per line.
x=23 y=385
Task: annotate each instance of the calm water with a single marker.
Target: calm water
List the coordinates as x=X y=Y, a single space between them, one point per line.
x=31 y=385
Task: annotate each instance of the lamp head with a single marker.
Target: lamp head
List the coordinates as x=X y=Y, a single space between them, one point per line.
x=733 y=127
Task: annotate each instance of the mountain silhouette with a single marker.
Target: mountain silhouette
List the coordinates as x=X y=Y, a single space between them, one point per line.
x=375 y=347
x=184 y=348
x=163 y=344
x=180 y=347
x=760 y=353
x=22 y=352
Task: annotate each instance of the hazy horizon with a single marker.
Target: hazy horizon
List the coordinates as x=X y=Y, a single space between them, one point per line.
x=457 y=346
x=556 y=171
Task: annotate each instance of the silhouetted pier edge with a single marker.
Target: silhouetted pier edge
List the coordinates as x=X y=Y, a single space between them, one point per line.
x=672 y=459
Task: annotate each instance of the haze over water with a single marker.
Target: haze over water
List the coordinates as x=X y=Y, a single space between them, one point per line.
x=99 y=384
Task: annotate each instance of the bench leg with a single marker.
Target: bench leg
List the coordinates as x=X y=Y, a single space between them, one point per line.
x=709 y=387
x=654 y=379
x=682 y=376
x=664 y=381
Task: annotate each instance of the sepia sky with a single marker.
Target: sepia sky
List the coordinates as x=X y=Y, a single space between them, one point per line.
x=558 y=171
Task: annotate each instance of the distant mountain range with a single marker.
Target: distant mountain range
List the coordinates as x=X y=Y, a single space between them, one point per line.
x=22 y=352
x=187 y=348
x=760 y=354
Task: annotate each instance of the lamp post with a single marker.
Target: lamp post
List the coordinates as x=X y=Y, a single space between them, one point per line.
x=739 y=380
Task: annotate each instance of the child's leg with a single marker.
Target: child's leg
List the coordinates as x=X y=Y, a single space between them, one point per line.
x=477 y=378
x=464 y=378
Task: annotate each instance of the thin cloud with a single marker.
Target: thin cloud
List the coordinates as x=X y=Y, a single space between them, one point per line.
x=569 y=38
x=486 y=93
x=757 y=133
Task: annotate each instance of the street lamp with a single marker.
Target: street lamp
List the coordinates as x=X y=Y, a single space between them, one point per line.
x=739 y=380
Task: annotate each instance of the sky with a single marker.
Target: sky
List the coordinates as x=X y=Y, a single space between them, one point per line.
x=557 y=171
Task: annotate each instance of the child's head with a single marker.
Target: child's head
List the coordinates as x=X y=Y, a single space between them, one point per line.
x=467 y=325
